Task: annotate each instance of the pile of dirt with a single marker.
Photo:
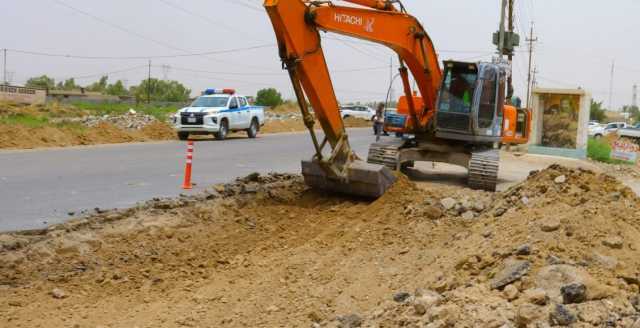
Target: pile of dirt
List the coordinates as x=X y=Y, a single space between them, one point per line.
x=23 y=137
x=296 y=124
x=265 y=251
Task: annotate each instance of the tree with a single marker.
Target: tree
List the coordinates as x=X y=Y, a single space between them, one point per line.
x=634 y=112
x=159 y=90
x=100 y=85
x=68 y=85
x=41 y=82
x=596 y=112
x=269 y=97
x=116 y=89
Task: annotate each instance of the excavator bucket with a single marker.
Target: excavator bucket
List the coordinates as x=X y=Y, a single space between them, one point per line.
x=363 y=179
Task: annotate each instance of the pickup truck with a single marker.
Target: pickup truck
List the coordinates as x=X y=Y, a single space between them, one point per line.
x=599 y=131
x=218 y=112
x=363 y=112
x=631 y=132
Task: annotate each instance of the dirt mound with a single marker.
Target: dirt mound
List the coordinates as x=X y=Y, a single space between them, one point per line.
x=266 y=252
x=296 y=124
x=23 y=137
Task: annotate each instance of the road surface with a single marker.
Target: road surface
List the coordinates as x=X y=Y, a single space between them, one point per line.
x=40 y=187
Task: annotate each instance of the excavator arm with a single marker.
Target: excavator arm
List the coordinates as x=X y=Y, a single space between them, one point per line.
x=297 y=25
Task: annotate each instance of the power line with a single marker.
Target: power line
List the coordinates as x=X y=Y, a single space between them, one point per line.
x=103 y=21
x=359 y=50
x=215 y=23
x=118 y=27
x=199 y=54
x=350 y=70
x=246 y=5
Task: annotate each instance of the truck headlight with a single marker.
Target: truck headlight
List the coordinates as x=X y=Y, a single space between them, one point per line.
x=214 y=120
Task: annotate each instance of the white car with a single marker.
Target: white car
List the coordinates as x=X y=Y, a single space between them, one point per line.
x=218 y=112
x=601 y=130
x=363 y=112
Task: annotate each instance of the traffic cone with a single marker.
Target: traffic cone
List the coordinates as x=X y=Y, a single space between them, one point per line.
x=187 y=170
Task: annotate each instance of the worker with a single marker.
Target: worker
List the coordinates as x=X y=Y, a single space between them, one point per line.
x=379 y=121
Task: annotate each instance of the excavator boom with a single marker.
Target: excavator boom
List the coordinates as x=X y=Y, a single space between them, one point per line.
x=297 y=24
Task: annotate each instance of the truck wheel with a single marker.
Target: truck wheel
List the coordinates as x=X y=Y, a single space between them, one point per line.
x=183 y=135
x=222 y=132
x=252 y=131
x=597 y=136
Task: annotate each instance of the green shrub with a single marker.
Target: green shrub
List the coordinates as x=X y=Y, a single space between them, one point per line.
x=24 y=120
x=600 y=150
x=159 y=112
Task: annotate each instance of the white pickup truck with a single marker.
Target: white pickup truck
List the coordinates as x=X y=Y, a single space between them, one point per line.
x=218 y=112
x=632 y=132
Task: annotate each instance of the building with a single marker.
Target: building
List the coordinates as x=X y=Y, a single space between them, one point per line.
x=560 y=122
x=81 y=95
x=22 y=95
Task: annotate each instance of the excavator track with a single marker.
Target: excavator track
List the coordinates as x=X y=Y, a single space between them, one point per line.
x=483 y=169
x=383 y=153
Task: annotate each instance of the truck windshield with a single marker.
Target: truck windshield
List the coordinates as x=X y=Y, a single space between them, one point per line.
x=456 y=94
x=210 y=102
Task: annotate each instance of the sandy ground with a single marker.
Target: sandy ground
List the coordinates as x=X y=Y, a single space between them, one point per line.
x=295 y=125
x=16 y=136
x=560 y=248
x=21 y=137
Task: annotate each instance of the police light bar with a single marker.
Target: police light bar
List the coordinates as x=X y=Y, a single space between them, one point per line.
x=219 y=91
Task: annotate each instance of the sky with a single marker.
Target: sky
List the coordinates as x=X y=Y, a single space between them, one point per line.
x=578 y=41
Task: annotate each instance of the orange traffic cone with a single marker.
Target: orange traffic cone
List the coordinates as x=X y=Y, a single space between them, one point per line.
x=187 y=170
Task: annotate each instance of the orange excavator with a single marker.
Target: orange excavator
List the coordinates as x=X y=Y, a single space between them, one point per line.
x=457 y=114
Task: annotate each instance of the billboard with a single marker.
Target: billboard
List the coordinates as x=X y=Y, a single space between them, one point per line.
x=560 y=120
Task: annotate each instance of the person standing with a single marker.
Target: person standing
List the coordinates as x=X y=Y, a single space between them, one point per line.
x=378 y=123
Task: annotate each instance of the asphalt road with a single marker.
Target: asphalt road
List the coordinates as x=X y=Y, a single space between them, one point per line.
x=40 y=187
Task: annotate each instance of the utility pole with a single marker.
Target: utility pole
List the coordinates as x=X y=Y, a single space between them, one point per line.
x=613 y=71
x=531 y=39
x=165 y=71
x=4 y=78
x=634 y=99
x=391 y=91
x=149 y=84
x=510 y=56
x=501 y=37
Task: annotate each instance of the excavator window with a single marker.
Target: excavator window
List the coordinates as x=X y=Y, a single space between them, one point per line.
x=488 y=98
x=457 y=90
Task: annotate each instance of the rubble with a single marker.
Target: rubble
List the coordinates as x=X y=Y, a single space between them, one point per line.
x=265 y=251
x=131 y=120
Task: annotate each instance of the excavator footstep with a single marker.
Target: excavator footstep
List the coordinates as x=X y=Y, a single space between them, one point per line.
x=364 y=179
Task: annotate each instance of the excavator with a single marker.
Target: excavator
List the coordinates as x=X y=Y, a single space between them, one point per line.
x=457 y=115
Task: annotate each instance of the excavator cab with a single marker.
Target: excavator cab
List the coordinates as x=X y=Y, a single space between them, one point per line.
x=470 y=102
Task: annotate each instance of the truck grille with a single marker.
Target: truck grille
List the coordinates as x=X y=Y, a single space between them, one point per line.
x=451 y=121
x=186 y=117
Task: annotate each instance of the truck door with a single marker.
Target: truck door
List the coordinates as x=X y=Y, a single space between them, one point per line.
x=245 y=111
x=234 y=114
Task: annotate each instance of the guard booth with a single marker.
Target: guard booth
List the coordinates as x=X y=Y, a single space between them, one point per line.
x=560 y=122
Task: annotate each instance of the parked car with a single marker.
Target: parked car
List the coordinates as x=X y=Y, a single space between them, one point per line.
x=218 y=112
x=363 y=112
x=600 y=131
x=594 y=123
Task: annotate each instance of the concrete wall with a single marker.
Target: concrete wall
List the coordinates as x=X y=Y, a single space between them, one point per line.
x=537 y=129
x=22 y=95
